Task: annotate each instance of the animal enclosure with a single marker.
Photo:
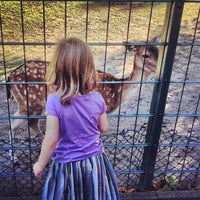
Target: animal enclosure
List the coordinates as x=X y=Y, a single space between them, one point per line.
x=147 y=59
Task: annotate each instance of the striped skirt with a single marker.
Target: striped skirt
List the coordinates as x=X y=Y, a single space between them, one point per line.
x=89 y=179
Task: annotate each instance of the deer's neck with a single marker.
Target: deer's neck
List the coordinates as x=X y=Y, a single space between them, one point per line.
x=129 y=89
x=138 y=74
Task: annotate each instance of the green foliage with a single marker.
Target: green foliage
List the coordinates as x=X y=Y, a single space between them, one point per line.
x=172 y=184
x=168 y=182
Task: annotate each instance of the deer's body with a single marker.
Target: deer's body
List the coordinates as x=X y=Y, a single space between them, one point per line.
x=31 y=98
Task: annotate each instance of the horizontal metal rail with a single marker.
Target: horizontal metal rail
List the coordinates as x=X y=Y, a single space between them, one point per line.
x=105 y=82
x=190 y=144
x=101 y=43
x=6 y=117
x=116 y=171
x=100 y=82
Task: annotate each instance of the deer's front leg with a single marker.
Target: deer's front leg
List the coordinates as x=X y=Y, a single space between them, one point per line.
x=14 y=124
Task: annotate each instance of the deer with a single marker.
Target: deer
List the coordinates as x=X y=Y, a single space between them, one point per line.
x=31 y=98
x=144 y=64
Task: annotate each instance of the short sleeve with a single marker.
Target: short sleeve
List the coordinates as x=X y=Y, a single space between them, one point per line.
x=52 y=105
x=103 y=104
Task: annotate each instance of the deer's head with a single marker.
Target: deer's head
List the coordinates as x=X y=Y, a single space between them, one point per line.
x=145 y=57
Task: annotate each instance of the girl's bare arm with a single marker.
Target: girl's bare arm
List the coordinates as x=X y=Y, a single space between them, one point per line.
x=103 y=123
x=48 y=145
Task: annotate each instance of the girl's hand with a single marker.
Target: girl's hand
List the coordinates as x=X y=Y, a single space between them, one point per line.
x=37 y=170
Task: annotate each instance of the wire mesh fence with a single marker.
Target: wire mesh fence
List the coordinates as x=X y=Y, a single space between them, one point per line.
x=148 y=148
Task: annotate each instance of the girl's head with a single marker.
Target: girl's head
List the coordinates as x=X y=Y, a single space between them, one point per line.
x=72 y=69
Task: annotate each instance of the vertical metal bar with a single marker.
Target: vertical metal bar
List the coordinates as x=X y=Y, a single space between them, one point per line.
x=65 y=18
x=27 y=91
x=186 y=149
x=181 y=97
x=106 y=42
x=9 y=110
x=86 y=21
x=160 y=91
x=140 y=87
x=122 y=85
x=44 y=38
x=44 y=32
x=194 y=119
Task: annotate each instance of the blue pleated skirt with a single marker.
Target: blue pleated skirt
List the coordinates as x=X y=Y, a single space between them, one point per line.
x=89 y=179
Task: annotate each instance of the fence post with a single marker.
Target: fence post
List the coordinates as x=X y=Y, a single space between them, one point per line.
x=165 y=63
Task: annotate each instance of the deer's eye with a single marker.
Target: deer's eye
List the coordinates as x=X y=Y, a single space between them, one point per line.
x=145 y=56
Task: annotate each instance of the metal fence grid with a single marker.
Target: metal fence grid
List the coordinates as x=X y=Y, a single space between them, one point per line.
x=154 y=136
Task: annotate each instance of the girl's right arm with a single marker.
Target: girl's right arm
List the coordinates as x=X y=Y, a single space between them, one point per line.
x=103 y=122
x=48 y=145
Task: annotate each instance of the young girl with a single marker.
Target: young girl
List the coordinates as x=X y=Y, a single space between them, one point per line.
x=76 y=114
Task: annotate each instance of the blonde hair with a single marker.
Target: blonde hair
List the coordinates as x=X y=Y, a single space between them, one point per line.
x=72 y=71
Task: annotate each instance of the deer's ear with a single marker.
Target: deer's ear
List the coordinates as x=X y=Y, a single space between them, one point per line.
x=132 y=48
x=135 y=49
x=129 y=47
x=156 y=38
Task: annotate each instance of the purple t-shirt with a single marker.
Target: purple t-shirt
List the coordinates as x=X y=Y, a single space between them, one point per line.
x=79 y=136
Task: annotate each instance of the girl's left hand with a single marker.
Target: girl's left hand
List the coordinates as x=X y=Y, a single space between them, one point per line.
x=37 y=170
